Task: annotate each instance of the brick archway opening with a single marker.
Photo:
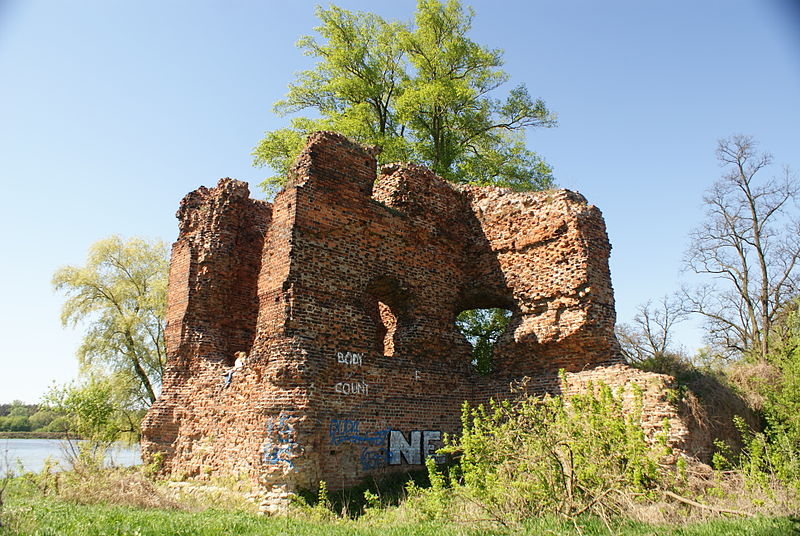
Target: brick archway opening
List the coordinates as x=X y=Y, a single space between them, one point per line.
x=482 y=328
x=385 y=301
x=386 y=329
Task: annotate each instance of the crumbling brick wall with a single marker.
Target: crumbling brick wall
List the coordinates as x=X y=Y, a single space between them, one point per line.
x=344 y=293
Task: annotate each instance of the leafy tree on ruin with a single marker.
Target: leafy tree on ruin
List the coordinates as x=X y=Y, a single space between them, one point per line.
x=120 y=296
x=425 y=92
x=482 y=328
x=748 y=247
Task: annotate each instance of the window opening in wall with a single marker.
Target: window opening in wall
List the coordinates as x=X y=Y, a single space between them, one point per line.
x=482 y=328
x=385 y=301
x=389 y=326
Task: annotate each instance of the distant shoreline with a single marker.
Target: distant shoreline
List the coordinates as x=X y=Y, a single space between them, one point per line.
x=35 y=435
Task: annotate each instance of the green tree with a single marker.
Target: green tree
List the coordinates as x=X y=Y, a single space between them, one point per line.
x=422 y=91
x=456 y=126
x=89 y=408
x=42 y=419
x=17 y=423
x=97 y=412
x=482 y=328
x=20 y=409
x=120 y=295
x=353 y=88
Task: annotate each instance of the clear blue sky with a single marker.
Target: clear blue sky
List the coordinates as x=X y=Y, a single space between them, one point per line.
x=111 y=111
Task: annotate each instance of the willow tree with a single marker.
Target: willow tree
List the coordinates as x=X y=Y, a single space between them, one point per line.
x=120 y=297
x=424 y=91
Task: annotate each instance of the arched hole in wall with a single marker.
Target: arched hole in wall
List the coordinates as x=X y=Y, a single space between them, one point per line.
x=385 y=299
x=387 y=329
x=482 y=328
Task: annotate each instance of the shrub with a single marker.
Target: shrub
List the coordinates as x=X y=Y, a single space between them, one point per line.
x=769 y=459
x=548 y=456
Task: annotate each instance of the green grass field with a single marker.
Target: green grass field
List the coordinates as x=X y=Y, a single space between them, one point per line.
x=29 y=513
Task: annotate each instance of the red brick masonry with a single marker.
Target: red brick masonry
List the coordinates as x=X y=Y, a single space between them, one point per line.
x=344 y=292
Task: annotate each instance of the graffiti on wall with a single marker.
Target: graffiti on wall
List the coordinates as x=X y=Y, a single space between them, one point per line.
x=350 y=358
x=419 y=446
x=373 y=444
x=347 y=388
x=280 y=446
x=386 y=447
x=342 y=431
x=372 y=458
x=352 y=388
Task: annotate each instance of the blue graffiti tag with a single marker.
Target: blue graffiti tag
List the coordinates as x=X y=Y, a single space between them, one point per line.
x=344 y=431
x=372 y=458
x=280 y=445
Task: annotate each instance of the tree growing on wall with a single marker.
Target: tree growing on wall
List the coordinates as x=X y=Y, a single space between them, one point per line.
x=120 y=296
x=424 y=92
x=748 y=248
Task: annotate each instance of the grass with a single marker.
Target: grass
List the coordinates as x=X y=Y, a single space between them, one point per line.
x=28 y=512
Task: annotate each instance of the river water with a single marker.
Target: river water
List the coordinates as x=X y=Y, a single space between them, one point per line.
x=31 y=453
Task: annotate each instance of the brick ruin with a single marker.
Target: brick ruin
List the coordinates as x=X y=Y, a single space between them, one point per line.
x=343 y=292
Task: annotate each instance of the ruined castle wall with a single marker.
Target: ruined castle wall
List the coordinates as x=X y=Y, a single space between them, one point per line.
x=352 y=253
x=552 y=250
x=214 y=270
x=344 y=293
x=211 y=313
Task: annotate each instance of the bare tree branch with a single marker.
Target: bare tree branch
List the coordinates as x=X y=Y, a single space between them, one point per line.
x=649 y=336
x=749 y=246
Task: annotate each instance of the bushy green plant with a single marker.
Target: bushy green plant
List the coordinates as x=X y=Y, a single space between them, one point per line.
x=772 y=456
x=92 y=411
x=319 y=507
x=156 y=464
x=434 y=501
x=783 y=400
x=767 y=459
x=555 y=455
